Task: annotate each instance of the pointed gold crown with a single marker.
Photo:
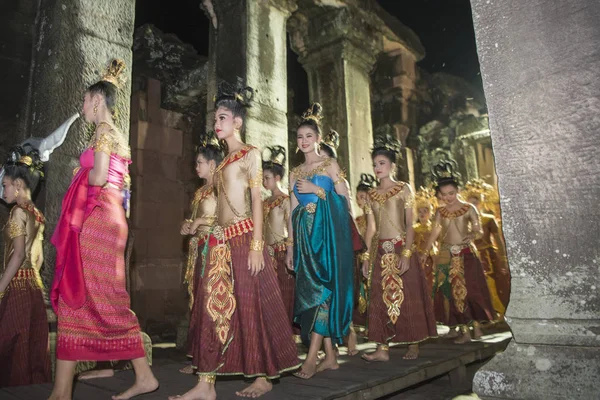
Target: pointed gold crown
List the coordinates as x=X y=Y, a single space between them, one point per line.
x=425 y=197
x=481 y=190
x=275 y=155
x=114 y=71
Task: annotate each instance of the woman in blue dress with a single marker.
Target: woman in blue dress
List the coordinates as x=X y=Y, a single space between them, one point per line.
x=322 y=254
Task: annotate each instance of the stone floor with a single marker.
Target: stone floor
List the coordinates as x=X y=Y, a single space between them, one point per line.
x=443 y=371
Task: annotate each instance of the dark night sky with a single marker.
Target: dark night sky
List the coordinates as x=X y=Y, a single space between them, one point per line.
x=444 y=26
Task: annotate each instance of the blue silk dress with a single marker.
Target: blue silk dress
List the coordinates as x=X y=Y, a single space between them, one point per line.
x=323 y=261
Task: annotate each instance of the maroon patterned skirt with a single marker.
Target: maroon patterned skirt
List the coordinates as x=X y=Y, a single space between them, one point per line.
x=241 y=319
x=462 y=297
x=400 y=308
x=24 y=353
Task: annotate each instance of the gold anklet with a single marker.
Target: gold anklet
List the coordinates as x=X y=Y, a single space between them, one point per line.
x=208 y=378
x=383 y=347
x=464 y=329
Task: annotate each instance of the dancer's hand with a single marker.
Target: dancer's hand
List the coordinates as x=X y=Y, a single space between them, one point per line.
x=404 y=265
x=306 y=186
x=256 y=262
x=195 y=225
x=365 y=269
x=289 y=259
x=185 y=228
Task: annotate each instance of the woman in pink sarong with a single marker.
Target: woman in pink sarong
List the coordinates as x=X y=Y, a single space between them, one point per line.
x=89 y=292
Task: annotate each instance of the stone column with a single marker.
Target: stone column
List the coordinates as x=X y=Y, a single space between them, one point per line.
x=75 y=41
x=337 y=50
x=248 y=43
x=469 y=153
x=543 y=95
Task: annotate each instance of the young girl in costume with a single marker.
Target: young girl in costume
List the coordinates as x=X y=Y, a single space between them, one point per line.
x=322 y=248
x=277 y=214
x=425 y=202
x=400 y=308
x=89 y=292
x=198 y=227
x=24 y=356
x=461 y=294
x=491 y=248
x=242 y=325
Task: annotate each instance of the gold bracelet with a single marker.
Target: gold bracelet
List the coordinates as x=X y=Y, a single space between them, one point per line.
x=365 y=257
x=257 y=245
x=189 y=221
x=208 y=378
x=406 y=253
x=321 y=194
x=288 y=242
x=2 y=294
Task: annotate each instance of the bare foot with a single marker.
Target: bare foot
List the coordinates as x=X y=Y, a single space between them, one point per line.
x=452 y=333
x=306 y=371
x=352 y=342
x=378 y=355
x=188 y=370
x=328 y=363
x=257 y=389
x=202 y=391
x=477 y=333
x=464 y=338
x=141 y=386
x=412 y=353
x=97 y=373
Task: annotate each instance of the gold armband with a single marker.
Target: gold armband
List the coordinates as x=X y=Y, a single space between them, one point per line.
x=288 y=242
x=2 y=294
x=406 y=253
x=257 y=245
x=321 y=194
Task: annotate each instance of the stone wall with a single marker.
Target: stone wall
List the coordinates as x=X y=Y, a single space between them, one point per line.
x=539 y=64
x=159 y=200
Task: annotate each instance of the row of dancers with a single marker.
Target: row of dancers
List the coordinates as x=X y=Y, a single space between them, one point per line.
x=257 y=272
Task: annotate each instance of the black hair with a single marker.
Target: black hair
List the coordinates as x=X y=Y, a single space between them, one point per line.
x=276 y=169
x=237 y=101
x=276 y=161
x=387 y=153
x=446 y=182
x=312 y=117
x=367 y=182
x=211 y=153
x=106 y=89
x=31 y=175
x=327 y=149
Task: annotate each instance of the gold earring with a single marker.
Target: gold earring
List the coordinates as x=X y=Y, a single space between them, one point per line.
x=95 y=109
x=16 y=193
x=211 y=170
x=236 y=131
x=297 y=149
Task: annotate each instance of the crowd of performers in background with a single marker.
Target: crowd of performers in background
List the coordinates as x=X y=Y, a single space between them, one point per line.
x=261 y=273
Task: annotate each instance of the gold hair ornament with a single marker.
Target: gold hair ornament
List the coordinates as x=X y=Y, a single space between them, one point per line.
x=114 y=72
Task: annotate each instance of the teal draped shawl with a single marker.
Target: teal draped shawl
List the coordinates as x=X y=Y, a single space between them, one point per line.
x=323 y=261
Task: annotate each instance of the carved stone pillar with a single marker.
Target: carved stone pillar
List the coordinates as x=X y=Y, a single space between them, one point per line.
x=75 y=41
x=337 y=49
x=545 y=135
x=248 y=43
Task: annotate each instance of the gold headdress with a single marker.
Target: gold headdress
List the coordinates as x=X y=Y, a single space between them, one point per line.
x=387 y=142
x=114 y=71
x=276 y=155
x=332 y=139
x=313 y=113
x=209 y=139
x=367 y=182
x=425 y=197
x=485 y=192
x=445 y=172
